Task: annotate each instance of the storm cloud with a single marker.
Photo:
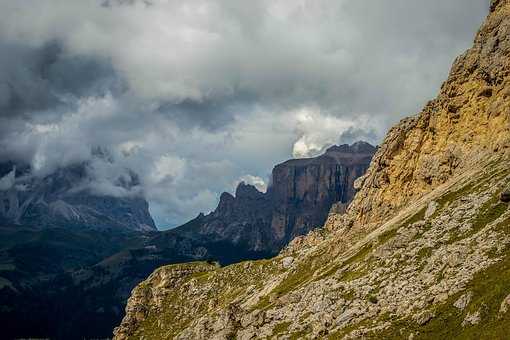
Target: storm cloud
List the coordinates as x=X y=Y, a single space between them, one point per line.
x=197 y=96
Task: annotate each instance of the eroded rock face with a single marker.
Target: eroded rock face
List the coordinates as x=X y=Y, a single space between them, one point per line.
x=304 y=190
x=299 y=200
x=469 y=118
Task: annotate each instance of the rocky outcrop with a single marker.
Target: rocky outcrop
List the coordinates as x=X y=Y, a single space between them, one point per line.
x=469 y=118
x=62 y=199
x=423 y=252
x=299 y=199
x=304 y=190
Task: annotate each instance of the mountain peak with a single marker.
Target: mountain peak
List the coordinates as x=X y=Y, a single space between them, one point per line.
x=244 y=190
x=357 y=147
x=59 y=199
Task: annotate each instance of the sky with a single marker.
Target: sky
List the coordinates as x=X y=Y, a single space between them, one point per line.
x=196 y=96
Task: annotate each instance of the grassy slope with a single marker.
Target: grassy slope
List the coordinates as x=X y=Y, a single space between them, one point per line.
x=489 y=287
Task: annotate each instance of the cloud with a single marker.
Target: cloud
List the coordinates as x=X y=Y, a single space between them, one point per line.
x=256 y=181
x=194 y=96
x=7 y=181
x=317 y=131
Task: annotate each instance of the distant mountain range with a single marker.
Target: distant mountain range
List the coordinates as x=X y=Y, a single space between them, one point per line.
x=69 y=258
x=63 y=199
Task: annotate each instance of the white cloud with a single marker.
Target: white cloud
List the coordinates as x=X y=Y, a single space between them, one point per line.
x=194 y=96
x=169 y=168
x=8 y=180
x=256 y=181
x=317 y=130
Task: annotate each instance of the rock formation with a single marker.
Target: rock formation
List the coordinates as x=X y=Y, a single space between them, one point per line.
x=299 y=199
x=423 y=251
x=469 y=116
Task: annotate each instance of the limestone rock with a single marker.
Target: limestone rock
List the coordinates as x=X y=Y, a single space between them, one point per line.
x=454 y=129
x=383 y=257
x=287 y=262
x=431 y=209
x=505 y=305
x=463 y=301
x=505 y=196
x=471 y=319
x=424 y=317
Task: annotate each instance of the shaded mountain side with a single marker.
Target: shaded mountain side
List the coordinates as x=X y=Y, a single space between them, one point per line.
x=299 y=199
x=73 y=283
x=39 y=296
x=423 y=251
x=304 y=190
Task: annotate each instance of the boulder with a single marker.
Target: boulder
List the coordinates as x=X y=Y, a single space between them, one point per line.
x=505 y=196
x=463 y=301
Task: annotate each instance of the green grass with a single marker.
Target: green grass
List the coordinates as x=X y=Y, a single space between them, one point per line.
x=7 y=267
x=372 y=299
x=424 y=253
x=281 y=328
x=455 y=195
x=489 y=288
x=419 y=216
x=340 y=334
x=353 y=275
x=301 y=274
x=488 y=213
x=6 y=283
x=262 y=303
x=300 y=334
x=388 y=234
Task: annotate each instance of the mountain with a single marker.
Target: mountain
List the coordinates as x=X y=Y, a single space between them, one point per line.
x=300 y=196
x=70 y=257
x=63 y=199
x=422 y=252
x=73 y=283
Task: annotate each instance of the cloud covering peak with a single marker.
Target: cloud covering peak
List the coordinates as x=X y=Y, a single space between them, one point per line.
x=195 y=96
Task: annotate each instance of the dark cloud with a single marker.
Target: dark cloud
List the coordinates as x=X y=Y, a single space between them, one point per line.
x=34 y=80
x=196 y=96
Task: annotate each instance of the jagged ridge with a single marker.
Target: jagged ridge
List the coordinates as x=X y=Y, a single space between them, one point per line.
x=298 y=200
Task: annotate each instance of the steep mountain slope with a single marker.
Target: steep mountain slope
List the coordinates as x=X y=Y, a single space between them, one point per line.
x=468 y=118
x=301 y=194
x=423 y=252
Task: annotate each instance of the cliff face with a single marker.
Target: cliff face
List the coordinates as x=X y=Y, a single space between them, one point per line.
x=422 y=253
x=469 y=118
x=299 y=200
x=304 y=190
x=61 y=199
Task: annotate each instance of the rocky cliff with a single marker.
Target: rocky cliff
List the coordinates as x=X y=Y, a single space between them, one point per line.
x=299 y=199
x=423 y=252
x=469 y=117
x=304 y=190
